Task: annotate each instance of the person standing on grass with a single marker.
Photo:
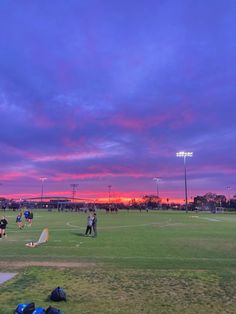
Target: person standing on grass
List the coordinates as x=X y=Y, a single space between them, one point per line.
x=19 y=221
x=89 y=224
x=3 y=226
x=26 y=214
x=30 y=218
x=94 y=225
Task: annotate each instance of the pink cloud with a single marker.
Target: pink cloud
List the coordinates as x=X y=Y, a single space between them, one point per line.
x=175 y=118
x=68 y=156
x=128 y=122
x=12 y=175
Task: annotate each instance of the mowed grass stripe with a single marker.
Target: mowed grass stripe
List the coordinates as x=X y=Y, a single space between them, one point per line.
x=129 y=257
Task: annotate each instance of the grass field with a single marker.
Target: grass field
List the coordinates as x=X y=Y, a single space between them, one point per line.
x=156 y=262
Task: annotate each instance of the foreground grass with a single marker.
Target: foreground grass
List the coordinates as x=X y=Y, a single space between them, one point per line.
x=124 y=291
x=140 y=263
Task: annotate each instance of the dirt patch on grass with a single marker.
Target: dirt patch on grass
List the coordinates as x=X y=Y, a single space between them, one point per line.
x=22 y=264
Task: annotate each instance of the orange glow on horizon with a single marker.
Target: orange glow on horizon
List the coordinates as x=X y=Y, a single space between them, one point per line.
x=97 y=197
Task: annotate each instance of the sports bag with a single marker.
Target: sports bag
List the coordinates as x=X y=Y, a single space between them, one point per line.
x=53 y=310
x=20 y=308
x=39 y=310
x=29 y=309
x=23 y=308
x=58 y=294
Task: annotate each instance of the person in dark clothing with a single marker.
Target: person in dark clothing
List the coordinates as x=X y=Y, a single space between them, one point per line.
x=3 y=226
x=94 y=225
x=30 y=218
x=89 y=224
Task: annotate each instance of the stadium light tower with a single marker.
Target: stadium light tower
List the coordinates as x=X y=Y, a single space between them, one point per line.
x=185 y=155
x=228 y=189
x=109 y=193
x=157 y=180
x=42 y=180
x=74 y=187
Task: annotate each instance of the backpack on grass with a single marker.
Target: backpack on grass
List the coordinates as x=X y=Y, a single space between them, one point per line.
x=39 y=310
x=53 y=310
x=29 y=309
x=58 y=294
x=24 y=308
x=20 y=308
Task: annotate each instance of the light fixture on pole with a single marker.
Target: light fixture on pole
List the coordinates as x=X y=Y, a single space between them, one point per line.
x=157 y=180
x=228 y=188
x=185 y=155
x=42 y=180
x=74 y=189
x=109 y=193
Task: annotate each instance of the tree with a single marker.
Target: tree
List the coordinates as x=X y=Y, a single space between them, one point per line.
x=210 y=201
x=151 y=201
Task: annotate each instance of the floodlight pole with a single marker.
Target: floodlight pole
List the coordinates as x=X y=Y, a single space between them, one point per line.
x=109 y=193
x=74 y=189
x=42 y=180
x=157 y=180
x=185 y=185
x=184 y=155
x=228 y=188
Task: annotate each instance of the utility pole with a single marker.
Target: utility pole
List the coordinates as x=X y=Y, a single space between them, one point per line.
x=228 y=188
x=42 y=180
x=157 y=180
x=184 y=155
x=109 y=193
x=74 y=189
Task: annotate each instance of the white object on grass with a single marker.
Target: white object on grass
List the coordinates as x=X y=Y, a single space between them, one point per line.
x=42 y=239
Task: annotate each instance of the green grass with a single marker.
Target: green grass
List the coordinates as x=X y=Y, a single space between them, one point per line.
x=152 y=262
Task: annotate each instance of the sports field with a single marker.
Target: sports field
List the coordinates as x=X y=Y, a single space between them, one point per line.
x=155 y=262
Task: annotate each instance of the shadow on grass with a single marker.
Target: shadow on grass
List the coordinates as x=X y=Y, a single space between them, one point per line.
x=81 y=234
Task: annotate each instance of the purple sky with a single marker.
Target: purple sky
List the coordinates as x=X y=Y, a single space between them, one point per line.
x=103 y=92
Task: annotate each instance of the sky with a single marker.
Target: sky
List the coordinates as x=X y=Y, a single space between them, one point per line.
x=105 y=92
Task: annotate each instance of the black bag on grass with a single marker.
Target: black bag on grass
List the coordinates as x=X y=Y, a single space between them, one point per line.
x=29 y=309
x=53 y=310
x=58 y=294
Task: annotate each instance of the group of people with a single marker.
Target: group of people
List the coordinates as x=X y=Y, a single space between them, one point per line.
x=28 y=214
x=91 y=224
x=19 y=222
x=29 y=217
